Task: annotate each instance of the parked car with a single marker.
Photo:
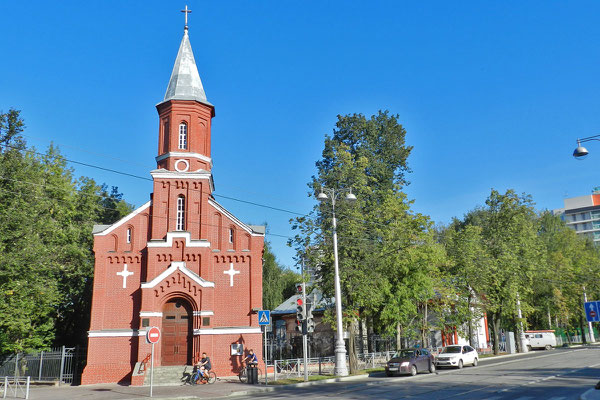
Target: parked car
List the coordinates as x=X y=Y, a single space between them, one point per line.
x=410 y=361
x=541 y=339
x=457 y=356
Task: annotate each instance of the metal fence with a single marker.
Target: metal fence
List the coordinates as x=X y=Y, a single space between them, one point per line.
x=292 y=368
x=61 y=364
x=15 y=387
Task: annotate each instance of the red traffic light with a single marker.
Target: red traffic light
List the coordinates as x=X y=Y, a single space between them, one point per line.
x=299 y=301
x=299 y=288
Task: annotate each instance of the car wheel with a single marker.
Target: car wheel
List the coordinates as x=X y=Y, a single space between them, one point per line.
x=387 y=373
x=548 y=347
x=460 y=364
x=475 y=361
x=413 y=370
x=431 y=368
x=529 y=348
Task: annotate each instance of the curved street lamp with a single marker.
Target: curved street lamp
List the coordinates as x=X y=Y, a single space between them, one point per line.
x=581 y=152
x=331 y=194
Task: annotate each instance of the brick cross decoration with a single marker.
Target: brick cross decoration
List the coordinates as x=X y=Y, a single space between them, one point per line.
x=125 y=274
x=231 y=272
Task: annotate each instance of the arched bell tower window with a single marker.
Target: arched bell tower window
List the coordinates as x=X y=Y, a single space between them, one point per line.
x=183 y=135
x=180 y=214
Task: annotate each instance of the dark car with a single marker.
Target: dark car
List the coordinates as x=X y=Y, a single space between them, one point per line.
x=410 y=361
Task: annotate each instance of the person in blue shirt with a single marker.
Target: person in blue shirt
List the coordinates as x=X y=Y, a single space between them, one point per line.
x=251 y=360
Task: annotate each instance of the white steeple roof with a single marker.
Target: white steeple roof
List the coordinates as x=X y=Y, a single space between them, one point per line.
x=185 y=83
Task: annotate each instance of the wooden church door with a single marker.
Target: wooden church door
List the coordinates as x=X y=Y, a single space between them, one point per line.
x=176 y=333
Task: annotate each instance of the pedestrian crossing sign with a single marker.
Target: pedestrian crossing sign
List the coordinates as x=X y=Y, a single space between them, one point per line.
x=264 y=317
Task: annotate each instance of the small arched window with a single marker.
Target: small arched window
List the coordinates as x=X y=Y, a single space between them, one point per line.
x=128 y=235
x=183 y=135
x=231 y=235
x=180 y=214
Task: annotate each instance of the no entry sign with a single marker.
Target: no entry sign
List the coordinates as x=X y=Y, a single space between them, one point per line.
x=153 y=335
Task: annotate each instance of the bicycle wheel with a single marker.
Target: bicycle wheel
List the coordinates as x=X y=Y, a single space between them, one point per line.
x=243 y=375
x=211 y=378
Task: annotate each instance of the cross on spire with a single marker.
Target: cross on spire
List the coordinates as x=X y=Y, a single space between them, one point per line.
x=186 y=11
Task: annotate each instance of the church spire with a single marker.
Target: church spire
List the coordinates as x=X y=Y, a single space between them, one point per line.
x=185 y=83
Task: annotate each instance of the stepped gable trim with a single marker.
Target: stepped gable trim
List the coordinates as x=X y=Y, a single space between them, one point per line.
x=123 y=220
x=168 y=242
x=226 y=331
x=229 y=215
x=177 y=265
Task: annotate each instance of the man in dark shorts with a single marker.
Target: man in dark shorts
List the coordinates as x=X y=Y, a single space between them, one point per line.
x=204 y=365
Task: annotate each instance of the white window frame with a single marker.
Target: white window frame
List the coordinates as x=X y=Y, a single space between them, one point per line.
x=180 y=224
x=183 y=131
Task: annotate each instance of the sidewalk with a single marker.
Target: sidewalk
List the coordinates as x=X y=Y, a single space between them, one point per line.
x=112 y=391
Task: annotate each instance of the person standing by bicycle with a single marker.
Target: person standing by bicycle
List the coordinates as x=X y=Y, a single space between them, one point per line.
x=251 y=360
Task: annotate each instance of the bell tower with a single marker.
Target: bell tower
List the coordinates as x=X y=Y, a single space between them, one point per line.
x=185 y=117
x=183 y=179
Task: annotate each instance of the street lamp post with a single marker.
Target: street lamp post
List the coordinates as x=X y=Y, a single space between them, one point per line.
x=580 y=151
x=340 y=368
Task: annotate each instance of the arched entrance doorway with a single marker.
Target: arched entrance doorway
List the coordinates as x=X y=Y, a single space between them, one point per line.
x=177 y=333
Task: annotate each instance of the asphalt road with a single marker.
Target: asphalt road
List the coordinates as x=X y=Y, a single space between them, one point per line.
x=553 y=375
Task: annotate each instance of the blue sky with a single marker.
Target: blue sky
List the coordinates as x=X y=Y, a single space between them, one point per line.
x=492 y=94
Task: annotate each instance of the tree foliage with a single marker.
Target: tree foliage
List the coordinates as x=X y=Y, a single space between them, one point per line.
x=46 y=259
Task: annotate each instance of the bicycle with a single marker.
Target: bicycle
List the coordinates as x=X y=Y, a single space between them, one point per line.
x=243 y=374
x=209 y=377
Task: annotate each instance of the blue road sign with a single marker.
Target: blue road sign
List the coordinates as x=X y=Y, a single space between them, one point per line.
x=264 y=317
x=592 y=311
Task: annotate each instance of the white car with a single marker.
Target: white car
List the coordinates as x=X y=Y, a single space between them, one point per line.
x=457 y=356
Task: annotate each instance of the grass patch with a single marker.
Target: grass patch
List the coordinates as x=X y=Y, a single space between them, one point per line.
x=311 y=378
x=291 y=381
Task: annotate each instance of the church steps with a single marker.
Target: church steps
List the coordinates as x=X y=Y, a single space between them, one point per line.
x=167 y=376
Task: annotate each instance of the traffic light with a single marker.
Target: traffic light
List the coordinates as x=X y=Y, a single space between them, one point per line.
x=310 y=322
x=300 y=288
x=299 y=325
x=300 y=309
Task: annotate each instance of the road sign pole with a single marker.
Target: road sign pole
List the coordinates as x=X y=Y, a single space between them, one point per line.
x=151 y=368
x=266 y=358
x=592 y=338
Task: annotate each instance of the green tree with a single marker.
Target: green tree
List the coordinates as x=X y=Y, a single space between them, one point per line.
x=278 y=281
x=382 y=243
x=46 y=259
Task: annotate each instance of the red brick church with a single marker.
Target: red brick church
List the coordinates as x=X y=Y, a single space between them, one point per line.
x=180 y=262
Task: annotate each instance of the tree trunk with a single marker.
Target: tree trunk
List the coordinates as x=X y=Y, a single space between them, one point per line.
x=424 y=331
x=398 y=336
x=361 y=336
x=582 y=327
x=370 y=334
x=518 y=336
x=470 y=321
x=352 y=347
x=496 y=332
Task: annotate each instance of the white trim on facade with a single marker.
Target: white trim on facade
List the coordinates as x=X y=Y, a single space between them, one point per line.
x=166 y=174
x=150 y=314
x=168 y=242
x=203 y=313
x=177 y=265
x=123 y=220
x=229 y=215
x=226 y=331
x=184 y=154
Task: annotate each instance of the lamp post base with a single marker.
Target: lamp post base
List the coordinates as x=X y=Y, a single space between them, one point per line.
x=340 y=368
